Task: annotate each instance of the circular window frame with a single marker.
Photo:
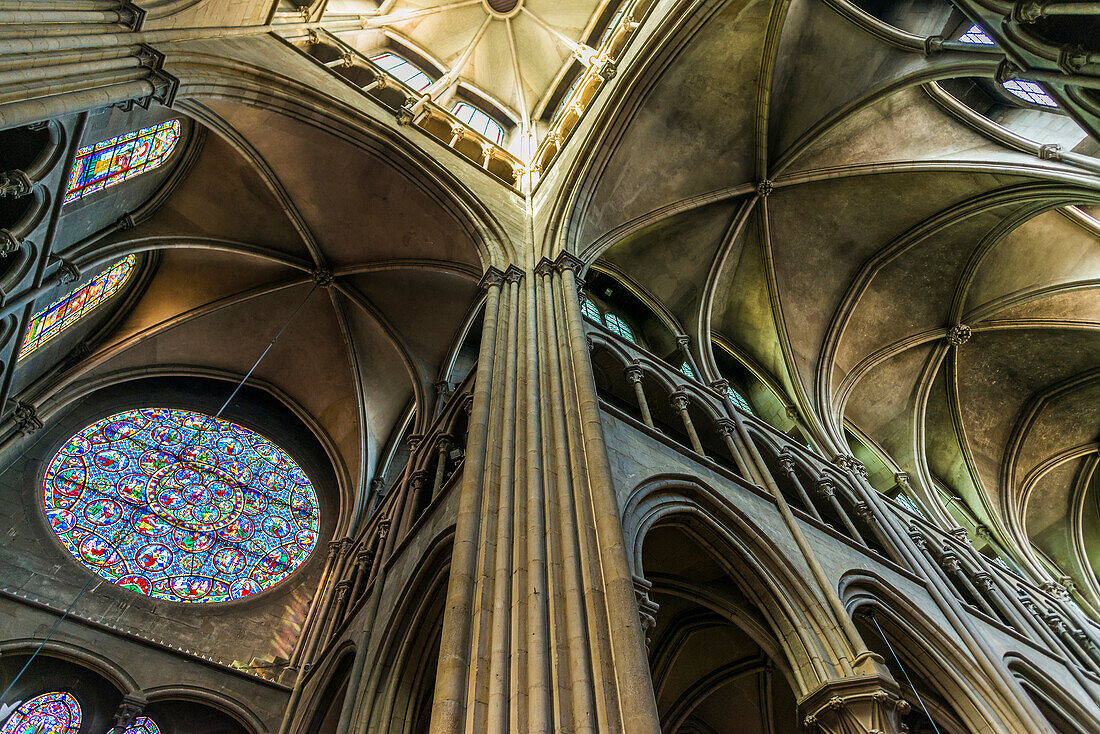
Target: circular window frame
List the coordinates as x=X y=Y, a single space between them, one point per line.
x=312 y=459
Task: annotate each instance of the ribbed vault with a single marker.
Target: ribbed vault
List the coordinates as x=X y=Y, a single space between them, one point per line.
x=808 y=198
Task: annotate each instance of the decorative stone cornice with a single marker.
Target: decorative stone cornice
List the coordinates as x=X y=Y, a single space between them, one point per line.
x=958 y=335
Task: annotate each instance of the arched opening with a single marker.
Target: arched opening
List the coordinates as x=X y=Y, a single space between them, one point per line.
x=716 y=662
x=331 y=701
x=92 y=696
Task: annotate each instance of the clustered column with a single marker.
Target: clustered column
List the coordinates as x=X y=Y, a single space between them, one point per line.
x=542 y=631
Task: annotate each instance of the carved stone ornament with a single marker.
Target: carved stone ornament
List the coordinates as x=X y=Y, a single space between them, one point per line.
x=26 y=419
x=14 y=183
x=679 y=401
x=647 y=608
x=960 y=535
x=864 y=512
x=9 y=242
x=786 y=462
x=765 y=187
x=958 y=335
x=1027 y=12
x=322 y=277
x=567 y=261
x=634 y=374
x=131 y=707
x=1055 y=589
x=1050 y=152
x=66 y=272
x=826 y=487
x=860 y=705
x=933 y=45
x=902 y=480
x=984 y=581
x=492 y=277
x=726 y=428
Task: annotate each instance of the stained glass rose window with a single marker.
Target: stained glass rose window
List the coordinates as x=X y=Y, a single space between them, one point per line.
x=181 y=506
x=51 y=713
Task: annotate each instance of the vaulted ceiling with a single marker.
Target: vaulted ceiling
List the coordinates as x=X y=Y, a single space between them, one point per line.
x=886 y=222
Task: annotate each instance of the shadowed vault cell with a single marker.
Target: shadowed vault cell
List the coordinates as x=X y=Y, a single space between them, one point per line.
x=181 y=506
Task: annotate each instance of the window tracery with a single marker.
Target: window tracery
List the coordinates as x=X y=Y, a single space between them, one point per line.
x=479 y=121
x=976 y=36
x=687 y=371
x=618 y=326
x=70 y=308
x=402 y=70
x=142 y=725
x=55 y=712
x=181 y=506
x=115 y=160
x=591 y=311
x=1029 y=92
x=739 y=401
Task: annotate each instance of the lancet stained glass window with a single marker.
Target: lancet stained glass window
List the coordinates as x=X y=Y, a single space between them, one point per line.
x=51 y=713
x=687 y=371
x=479 y=121
x=402 y=70
x=67 y=310
x=617 y=325
x=591 y=311
x=142 y=725
x=114 y=160
x=1029 y=92
x=976 y=36
x=181 y=506
x=739 y=401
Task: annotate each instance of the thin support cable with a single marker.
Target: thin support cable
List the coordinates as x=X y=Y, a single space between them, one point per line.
x=46 y=639
x=906 y=674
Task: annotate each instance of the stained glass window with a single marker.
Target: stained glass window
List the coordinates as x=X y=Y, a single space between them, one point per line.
x=687 y=371
x=739 y=401
x=479 y=121
x=114 y=160
x=617 y=325
x=976 y=36
x=402 y=70
x=907 y=502
x=142 y=725
x=590 y=311
x=1029 y=92
x=51 y=713
x=180 y=505
x=67 y=310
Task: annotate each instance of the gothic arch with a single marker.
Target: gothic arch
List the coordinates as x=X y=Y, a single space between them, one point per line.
x=217 y=700
x=73 y=653
x=749 y=557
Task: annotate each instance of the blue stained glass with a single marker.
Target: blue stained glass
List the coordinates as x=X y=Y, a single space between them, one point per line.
x=112 y=161
x=67 y=310
x=687 y=371
x=976 y=36
x=617 y=325
x=478 y=121
x=402 y=70
x=1029 y=92
x=51 y=713
x=142 y=725
x=590 y=311
x=181 y=506
x=739 y=401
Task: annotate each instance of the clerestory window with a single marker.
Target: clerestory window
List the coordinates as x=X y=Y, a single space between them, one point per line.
x=402 y=70
x=479 y=121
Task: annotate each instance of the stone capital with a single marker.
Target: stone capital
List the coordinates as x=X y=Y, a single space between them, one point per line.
x=26 y=418
x=679 y=400
x=683 y=341
x=492 y=277
x=725 y=427
x=545 y=266
x=866 y=704
x=634 y=374
x=568 y=261
x=826 y=486
x=413 y=441
x=14 y=183
x=9 y=242
x=66 y=271
x=132 y=706
x=513 y=275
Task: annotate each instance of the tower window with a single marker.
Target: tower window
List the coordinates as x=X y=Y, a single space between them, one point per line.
x=1029 y=92
x=114 y=160
x=479 y=121
x=402 y=70
x=67 y=310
